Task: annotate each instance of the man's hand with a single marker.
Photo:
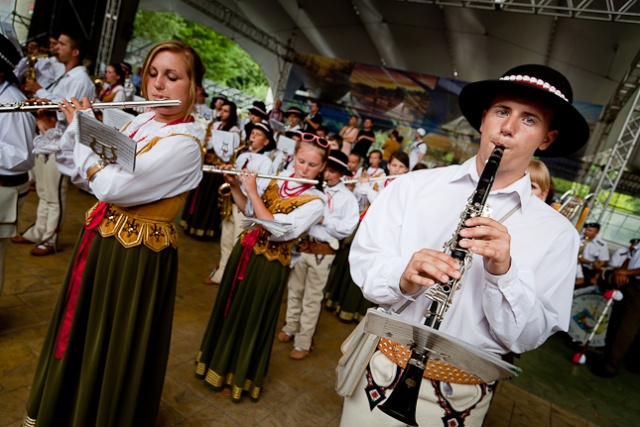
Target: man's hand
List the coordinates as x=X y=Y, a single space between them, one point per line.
x=31 y=86
x=427 y=267
x=489 y=238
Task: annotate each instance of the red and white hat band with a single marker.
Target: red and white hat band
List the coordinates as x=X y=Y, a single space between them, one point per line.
x=538 y=83
x=338 y=161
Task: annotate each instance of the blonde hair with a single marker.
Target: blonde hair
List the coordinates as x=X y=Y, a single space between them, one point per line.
x=195 y=68
x=540 y=174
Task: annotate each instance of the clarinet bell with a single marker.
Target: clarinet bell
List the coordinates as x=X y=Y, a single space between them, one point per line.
x=401 y=403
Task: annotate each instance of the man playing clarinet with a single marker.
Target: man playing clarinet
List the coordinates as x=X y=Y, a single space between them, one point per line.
x=518 y=289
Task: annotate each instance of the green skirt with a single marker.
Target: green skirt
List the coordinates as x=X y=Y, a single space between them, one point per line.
x=112 y=370
x=201 y=215
x=236 y=349
x=342 y=295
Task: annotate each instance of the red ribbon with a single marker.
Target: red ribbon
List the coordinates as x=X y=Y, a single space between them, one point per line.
x=248 y=242
x=76 y=277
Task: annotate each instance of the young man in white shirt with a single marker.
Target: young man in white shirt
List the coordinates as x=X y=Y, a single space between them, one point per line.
x=51 y=185
x=16 y=147
x=518 y=289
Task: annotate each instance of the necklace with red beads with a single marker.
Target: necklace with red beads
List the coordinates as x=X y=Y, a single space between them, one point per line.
x=285 y=191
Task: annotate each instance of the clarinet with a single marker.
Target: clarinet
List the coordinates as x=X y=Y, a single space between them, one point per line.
x=442 y=293
x=401 y=404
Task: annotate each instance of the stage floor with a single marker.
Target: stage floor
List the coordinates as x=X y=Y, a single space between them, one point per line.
x=551 y=391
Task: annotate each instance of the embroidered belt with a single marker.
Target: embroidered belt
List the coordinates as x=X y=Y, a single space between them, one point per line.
x=435 y=370
x=313 y=246
x=136 y=226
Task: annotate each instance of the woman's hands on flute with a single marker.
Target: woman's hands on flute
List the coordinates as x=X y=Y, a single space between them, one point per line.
x=70 y=107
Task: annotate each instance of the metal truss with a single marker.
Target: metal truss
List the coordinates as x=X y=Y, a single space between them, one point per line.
x=239 y=24
x=610 y=163
x=600 y=10
x=618 y=159
x=108 y=35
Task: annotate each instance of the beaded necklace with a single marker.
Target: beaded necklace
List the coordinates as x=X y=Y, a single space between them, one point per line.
x=286 y=192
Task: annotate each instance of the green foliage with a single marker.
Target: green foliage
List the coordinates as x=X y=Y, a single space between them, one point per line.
x=619 y=202
x=225 y=61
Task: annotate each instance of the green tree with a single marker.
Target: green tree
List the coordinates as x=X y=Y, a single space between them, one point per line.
x=225 y=61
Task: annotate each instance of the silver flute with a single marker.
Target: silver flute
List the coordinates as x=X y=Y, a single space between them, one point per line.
x=374 y=179
x=17 y=107
x=213 y=169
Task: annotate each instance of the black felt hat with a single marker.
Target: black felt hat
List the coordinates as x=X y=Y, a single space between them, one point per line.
x=266 y=129
x=9 y=58
x=542 y=83
x=339 y=160
x=259 y=109
x=296 y=111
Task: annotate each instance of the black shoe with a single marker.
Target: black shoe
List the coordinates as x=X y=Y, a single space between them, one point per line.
x=603 y=372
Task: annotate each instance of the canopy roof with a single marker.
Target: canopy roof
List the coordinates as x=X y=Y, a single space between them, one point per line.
x=590 y=42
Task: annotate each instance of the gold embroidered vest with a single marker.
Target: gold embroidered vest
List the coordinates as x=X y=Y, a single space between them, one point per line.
x=280 y=251
x=150 y=224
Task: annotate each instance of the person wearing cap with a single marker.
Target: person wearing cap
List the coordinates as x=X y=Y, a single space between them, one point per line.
x=294 y=117
x=237 y=343
x=518 y=289
x=257 y=160
x=313 y=120
x=16 y=150
x=216 y=105
x=317 y=252
x=594 y=252
x=257 y=114
x=201 y=106
x=418 y=148
x=624 y=253
x=51 y=185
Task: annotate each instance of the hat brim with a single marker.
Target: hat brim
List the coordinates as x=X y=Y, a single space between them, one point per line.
x=295 y=113
x=9 y=74
x=573 y=129
x=338 y=167
x=259 y=113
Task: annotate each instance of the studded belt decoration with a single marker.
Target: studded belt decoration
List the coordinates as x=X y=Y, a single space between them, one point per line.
x=435 y=370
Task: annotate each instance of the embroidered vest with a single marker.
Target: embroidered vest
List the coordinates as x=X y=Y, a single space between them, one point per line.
x=280 y=251
x=150 y=224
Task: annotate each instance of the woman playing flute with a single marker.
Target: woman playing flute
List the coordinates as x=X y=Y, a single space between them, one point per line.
x=237 y=343
x=104 y=357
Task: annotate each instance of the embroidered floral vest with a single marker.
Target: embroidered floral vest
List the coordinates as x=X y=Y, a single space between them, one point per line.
x=280 y=251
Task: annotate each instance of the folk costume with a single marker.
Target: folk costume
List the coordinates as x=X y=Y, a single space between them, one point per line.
x=201 y=216
x=51 y=185
x=317 y=252
x=236 y=347
x=512 y=312
x=16 y=152
x=113 y=93
x=367 y=192
x=253 y=162
x=104 y=357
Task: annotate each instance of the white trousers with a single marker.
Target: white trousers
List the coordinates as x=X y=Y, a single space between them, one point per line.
x=305 y=287
x=228 y=237
x=51 y=187
x=23 y=190
x=429 y=412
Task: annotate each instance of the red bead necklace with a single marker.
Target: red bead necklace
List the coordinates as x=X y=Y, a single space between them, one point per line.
x=286 y=192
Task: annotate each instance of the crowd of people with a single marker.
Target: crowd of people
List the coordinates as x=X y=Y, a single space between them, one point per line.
x=327 y=218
